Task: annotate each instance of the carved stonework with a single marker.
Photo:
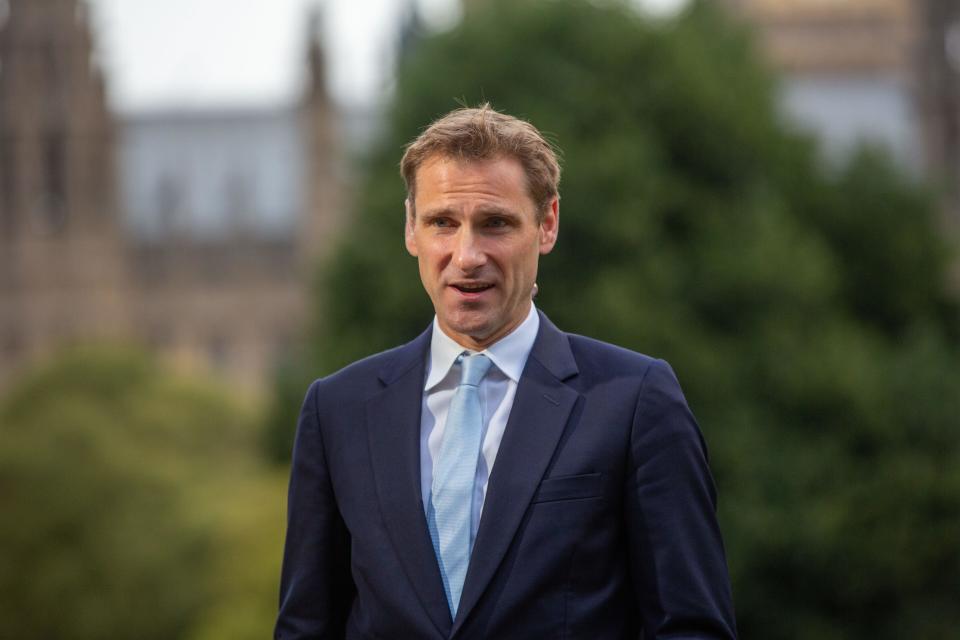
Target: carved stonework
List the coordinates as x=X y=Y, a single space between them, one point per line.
x=913 y=44
x=833 y=35
x=72 y=265
x=61 y=251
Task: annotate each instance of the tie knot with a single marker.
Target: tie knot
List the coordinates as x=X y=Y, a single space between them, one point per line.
x=473 y=368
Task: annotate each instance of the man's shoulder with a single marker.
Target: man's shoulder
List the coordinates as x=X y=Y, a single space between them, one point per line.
x=591 y=353
x=359 y=379
x=565 y=353
x=601 y=363
x=361 y=372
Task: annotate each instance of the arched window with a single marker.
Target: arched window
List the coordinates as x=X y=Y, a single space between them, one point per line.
x=51 y=209
x=170 y=201
x=8 y=184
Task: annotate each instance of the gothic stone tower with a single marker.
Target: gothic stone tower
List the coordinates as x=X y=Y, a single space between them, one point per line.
x=61 y=250
x=325 y=192
x=939 y=92
x=834 y=36
x=915 y=43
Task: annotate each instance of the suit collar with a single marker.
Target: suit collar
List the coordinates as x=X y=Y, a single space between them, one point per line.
x=403 y=359
x=552 y=350
x=509 y=354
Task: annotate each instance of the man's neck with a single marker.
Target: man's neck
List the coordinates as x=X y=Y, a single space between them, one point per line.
x=478 y=343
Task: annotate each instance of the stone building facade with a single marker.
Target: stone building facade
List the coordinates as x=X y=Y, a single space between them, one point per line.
x=877 y=71
x=192 y=233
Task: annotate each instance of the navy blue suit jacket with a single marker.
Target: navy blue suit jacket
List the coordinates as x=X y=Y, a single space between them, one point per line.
x=599 y=519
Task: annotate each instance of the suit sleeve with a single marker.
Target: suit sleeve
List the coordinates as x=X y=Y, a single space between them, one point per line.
x=677 y=561
x=316 y=589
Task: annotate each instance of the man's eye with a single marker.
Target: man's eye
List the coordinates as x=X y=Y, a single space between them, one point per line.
x=497 y=223
x=440 y=222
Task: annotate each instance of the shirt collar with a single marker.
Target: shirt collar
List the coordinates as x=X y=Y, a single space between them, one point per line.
x=509 y=353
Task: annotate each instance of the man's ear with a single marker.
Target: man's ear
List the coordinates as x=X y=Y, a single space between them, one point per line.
x=550 y=226
x=408 y=239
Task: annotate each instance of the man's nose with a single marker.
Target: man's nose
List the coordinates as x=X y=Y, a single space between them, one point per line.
x=470 y=255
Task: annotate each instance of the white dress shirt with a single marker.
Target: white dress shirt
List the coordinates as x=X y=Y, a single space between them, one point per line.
x=497 y=390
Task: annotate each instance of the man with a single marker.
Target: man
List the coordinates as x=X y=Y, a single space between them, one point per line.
x=496 y=477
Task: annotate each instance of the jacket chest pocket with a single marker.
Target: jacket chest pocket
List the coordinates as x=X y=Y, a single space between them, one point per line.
x=577 y=487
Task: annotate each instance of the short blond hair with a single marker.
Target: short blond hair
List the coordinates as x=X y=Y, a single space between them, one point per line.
x=482 y=133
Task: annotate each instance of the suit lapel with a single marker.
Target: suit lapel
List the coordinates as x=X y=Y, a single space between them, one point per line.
x=393 y=425
x=537 y=420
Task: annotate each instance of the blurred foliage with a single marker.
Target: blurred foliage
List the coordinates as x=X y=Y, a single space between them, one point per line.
x=134 y=506
x=290 y=381
x=804 y=307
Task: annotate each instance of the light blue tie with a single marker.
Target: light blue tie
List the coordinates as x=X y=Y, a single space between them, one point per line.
x=449 y=515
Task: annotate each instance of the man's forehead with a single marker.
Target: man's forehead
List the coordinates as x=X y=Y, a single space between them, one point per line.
x=504 y=171
x=452 y=179
x=467 y=162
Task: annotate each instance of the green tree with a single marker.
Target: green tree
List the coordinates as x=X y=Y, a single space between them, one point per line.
x=803 y=307
x=134 y=505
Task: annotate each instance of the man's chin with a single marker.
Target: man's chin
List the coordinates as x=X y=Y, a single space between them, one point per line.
x=476 y=328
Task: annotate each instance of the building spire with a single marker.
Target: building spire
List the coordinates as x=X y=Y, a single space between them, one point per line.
x=316 y=56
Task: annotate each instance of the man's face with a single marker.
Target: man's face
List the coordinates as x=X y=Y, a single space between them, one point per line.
x=475 y=233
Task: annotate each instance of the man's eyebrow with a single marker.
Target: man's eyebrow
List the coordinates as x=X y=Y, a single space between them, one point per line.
x=485 y=211
x=498 y=211
x=435 y=213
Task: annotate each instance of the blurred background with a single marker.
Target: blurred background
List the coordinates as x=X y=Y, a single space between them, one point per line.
x=200 y=212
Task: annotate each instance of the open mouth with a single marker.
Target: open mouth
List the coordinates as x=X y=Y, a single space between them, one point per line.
x=478 y=287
